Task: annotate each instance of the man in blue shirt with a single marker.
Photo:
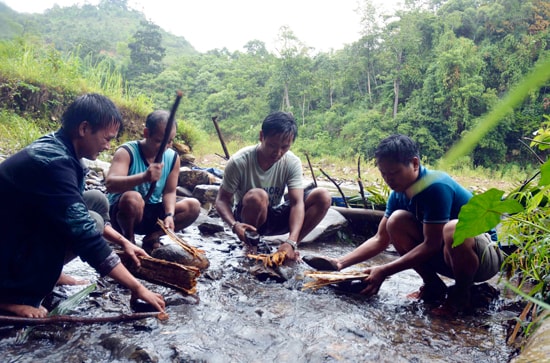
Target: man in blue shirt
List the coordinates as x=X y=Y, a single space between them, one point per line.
x=420 y=220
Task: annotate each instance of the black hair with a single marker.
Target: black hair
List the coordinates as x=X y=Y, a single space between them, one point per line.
x=98 y=110
x=155 y=119
x=398 y=148
x=280 y=123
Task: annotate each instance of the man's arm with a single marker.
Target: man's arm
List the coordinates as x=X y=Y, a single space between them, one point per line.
x=225 y=211
x=433 y=238
x=368 y=249
x=129 y=248
x=118 y=180
x=297 y=213
x=121 y=274
x=295 y=221
x=169 y=194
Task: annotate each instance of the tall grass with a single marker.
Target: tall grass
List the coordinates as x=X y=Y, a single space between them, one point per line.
x=16 y=132
x=24 y=64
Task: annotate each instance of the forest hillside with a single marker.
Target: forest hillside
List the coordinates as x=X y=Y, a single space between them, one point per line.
x=430 y=70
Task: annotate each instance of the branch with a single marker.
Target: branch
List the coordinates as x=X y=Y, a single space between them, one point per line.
x=311 y=169
x=360 y=182
x=337 y=187
x=215 y=121
x=531 y=149
x=5 y=320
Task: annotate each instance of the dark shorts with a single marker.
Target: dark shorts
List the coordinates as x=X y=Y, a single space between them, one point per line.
x=277 y=218
x=151 y=213
x=488 y=253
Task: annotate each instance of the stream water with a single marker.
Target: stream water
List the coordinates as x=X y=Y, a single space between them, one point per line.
x=235 y=317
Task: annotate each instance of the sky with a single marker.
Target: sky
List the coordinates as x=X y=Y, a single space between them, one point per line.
x=210 y=24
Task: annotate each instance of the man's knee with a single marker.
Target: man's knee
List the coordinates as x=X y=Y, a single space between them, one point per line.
x=320 y=198
x=399 y=221
x=255 y=197
x=190 y=206
x=130 y=203
x=96 y=201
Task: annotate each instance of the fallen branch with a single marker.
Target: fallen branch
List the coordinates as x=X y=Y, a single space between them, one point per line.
x=272 y=260
x=337 y=187
x=6 y=320
x=311 y=169
x=170 y=274
x=215 y=121
x=360 y=182
x=323 y=278
x=195 y=252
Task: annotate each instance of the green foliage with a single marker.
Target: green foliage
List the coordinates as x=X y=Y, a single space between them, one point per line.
x=16 y=132
x=146 y=53
x=522 y=219
x=482 y=213
x=429 y=74
x=67 y=306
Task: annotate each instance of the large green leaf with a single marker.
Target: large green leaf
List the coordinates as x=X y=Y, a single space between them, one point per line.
x=545 y=173
x=482 y=213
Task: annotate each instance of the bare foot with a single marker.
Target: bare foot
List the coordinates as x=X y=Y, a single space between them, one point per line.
x=65 y=279
x=430 y=293
x=25 y=311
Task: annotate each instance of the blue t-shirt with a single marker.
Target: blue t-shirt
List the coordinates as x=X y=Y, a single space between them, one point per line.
x=437 y=198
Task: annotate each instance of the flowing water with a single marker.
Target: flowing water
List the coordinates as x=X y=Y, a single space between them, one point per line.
x=238 y=318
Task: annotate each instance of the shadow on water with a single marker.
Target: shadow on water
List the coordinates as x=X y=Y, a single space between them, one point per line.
x=242 y=319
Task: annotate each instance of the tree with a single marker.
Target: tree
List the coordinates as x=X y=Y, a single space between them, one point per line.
x=146 y=53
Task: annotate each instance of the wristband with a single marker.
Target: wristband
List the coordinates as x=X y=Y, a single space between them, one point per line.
x=168 y=215
x=233 y=226
x=292 y=244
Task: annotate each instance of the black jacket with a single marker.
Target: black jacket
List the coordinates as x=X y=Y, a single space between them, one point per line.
x=42 y=215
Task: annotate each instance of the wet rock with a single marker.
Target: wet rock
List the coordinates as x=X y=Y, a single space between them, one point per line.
x=213 y=274
x=206 y=193
x=98 y=166
x=264 y=273
x=329 y=225
x=209 y=226
x=189 y=178
x=174 y=253
x=183 y=192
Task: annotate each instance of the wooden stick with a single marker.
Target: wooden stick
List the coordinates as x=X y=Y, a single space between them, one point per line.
x=311 y=169
x=337 y=187
x=520 y=321
x=360 y=182
x=6 y=320
x=167 y=131
x=215 y=121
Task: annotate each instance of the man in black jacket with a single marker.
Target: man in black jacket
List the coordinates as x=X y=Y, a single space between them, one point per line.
x=43 y=216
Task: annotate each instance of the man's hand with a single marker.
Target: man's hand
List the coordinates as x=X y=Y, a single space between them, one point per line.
x=134 y=252
x=374 y=281
x=156 y=300
x=240 y=228
x=169 y=223
x=291 y=254
x=153 y=172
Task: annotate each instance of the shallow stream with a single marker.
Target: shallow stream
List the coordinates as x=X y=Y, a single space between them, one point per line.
x=238 y=318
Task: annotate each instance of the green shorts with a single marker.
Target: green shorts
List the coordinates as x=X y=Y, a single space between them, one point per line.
x=488 y=253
